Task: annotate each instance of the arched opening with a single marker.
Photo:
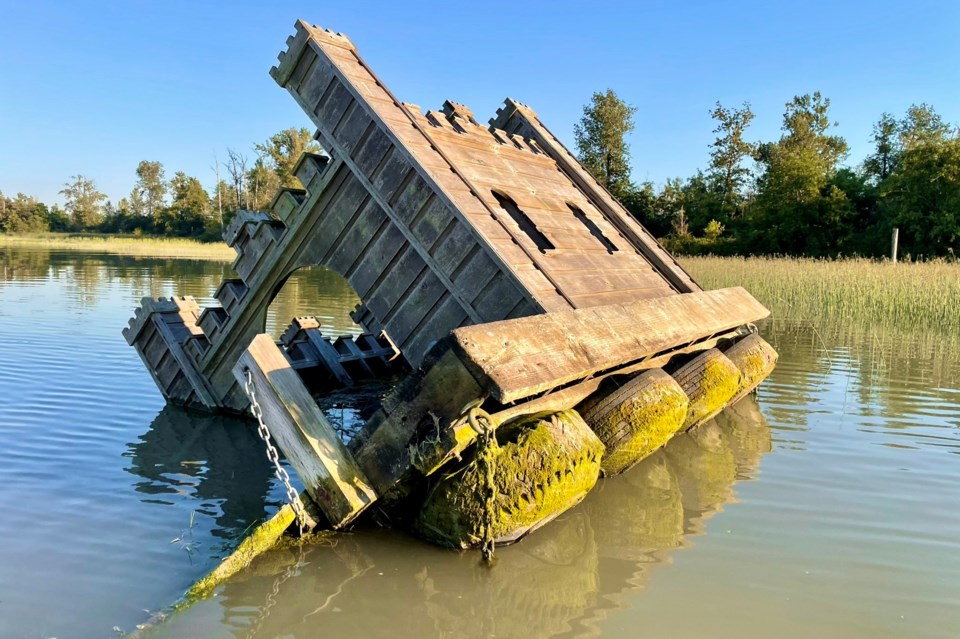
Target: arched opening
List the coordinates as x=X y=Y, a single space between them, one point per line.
x=345 y=368
x=317 y=292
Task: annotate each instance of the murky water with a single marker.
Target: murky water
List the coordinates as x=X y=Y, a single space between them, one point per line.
x=829 y=507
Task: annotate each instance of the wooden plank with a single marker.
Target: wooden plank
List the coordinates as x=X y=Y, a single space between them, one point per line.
x=416 y=306
x=329 y=356
x=390 y=289
x=197 y=381
x=331 y=109
x=376 y=259
x=371 y=153
x=515 y=116
x=446 y=316
x=606 y=298
x=308 y=441
x=412 y=143
x=442 y=390
x=497 y=298
x=355 y=237
x=514 y=359
x=455 y=244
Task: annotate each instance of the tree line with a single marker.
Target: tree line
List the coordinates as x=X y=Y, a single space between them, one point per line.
x=179 y=206
x=790 y=196
x=793 y=195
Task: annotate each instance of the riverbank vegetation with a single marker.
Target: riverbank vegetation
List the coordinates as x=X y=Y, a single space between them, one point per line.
x=177 y=207
x=795 y=195
x=120 y=245
x=854 y=292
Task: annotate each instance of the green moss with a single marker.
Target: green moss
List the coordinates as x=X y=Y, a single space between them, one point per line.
x=641 y=424
x=543 y=467
x=264 y=537
x=711 y=390
x=755 y=359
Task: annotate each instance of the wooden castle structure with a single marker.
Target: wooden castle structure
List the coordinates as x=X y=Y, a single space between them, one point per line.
x=487 y=260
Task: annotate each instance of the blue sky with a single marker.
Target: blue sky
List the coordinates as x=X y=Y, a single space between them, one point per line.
x=95 y=87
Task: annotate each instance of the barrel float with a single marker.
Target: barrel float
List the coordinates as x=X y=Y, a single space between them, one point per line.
x=635 y=419
x=711 y=381
x=544 y=465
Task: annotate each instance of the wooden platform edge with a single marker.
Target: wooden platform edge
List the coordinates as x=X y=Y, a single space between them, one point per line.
x=515 y=359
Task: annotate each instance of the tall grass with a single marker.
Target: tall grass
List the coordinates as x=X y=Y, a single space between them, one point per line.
x=123 y=245
x=852 y=291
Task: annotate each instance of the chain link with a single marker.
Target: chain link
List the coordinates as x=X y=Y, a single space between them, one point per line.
x=483 y=424
x=274 y=455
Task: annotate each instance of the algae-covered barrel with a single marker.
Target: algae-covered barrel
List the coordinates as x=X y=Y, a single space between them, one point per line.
x=710 y=380
x=755 y=359
x=544 y=465
x=636 y=418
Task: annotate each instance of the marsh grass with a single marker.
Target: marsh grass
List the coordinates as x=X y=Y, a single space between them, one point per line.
x=853 y=292
x=122 y=245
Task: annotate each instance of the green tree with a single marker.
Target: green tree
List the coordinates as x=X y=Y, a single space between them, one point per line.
x=922 y=197
x=84 y=202
x=887 y=146
x=600 y=141
x=262 y=184
x=149 y=193
x=23 y=214
x=727 y=155
x=189 y=210
x=283 y=150
x=640 y=201
x=797 y=210
x=922 y=125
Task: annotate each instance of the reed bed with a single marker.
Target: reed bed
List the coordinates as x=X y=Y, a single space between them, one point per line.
x=122 y=245
x=857 y=292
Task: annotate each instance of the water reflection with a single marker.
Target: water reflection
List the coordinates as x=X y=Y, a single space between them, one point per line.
x=217 y=461
x=852 y=531
x=560 y=580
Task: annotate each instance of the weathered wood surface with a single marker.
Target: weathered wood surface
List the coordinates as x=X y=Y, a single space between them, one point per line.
x=456 y=436
x=514 y=359
x=519 y=118
x=308 y=441
x=420 y=409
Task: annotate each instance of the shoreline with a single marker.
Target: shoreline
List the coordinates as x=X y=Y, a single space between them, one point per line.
x=160 y=247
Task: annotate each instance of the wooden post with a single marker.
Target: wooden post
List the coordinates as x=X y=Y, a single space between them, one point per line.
x=326 y=468
x=895 y=240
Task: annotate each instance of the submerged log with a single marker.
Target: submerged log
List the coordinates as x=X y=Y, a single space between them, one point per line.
x=636 y=418
x=545 y=465
x=710 y=380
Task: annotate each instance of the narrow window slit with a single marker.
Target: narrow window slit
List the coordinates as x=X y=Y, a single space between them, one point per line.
x=526 y=225
x=594 y=229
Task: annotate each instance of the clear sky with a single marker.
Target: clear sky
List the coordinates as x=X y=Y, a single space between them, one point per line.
x=95 y=87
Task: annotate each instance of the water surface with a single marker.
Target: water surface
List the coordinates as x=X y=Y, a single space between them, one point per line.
x=826 y=507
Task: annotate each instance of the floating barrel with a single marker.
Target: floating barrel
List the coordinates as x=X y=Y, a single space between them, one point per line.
x=710 y=380
x=755 y=359
x=545 y=465
x=636 y=418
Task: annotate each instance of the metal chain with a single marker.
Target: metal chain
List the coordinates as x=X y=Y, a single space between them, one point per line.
x=483 y=424
x=274 y=456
